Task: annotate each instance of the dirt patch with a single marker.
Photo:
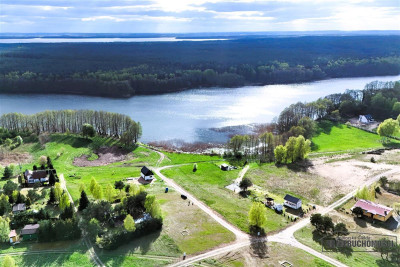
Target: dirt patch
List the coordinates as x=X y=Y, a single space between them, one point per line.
x=347 y=174
x=15 y=158
x=106 y=155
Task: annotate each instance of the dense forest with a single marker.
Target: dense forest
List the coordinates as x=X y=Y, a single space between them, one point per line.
x=126 y=69
x=103 y=123
x=380 y=99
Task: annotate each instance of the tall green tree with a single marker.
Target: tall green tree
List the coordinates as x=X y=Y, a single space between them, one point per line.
x=58 y=191
x=280 y=154
x=88 y=130
x=4 y=229
x=152 y=206
x=83 y=201
x=109 y=193
x=303 y=147
x=291 y=148
x=64 y=201
x=52 y=196
x=257 y=215
x=7 y=172
x=388 y=128
x=92 y=185
x=5 y=205
x=129 y=223
x=98 y=192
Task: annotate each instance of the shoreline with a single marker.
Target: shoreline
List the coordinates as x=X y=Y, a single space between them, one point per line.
x=128 y=96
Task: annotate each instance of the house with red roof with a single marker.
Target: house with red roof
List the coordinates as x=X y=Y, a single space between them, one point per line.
x=374 y=210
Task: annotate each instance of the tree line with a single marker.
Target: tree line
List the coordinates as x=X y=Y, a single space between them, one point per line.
x=126 y=69
x=73 y=121
x=380 y=99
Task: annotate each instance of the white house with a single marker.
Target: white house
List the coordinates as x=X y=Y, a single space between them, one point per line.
x=292 y=202
x=39 y=176
x=146 y=174
x=365 y=118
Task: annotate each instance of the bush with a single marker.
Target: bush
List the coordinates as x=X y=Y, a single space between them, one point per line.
x=373 y=160
x=59 y=230
x=115 y=238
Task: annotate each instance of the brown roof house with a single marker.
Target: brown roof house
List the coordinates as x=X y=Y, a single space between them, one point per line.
x=374 y=210
x=29 y=232
x=39 y=176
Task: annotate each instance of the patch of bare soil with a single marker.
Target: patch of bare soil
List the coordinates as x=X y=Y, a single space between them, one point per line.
x=345 y=175
x=106 y=155
x=6 y=158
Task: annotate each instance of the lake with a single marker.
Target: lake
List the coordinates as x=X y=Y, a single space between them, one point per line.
x=98 y=40
x=190 y=115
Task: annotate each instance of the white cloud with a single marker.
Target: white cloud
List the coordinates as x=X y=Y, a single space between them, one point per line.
x=123 y=18
x=242 y=15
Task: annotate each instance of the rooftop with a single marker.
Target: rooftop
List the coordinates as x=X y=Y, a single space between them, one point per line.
x=291 y=199
x=29 y=229
x=372 y=207
x=146 y=171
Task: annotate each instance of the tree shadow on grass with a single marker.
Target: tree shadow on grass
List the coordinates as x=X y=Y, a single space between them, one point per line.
x=323 y=239
x=326 y=126
x=72 y=140
x=140 y=245
x=259 y=248
x=301 y=166
x=385 y=263
x=360 y=222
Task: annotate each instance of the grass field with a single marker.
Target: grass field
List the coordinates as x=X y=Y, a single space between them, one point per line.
x=355 y=259
x=186 y=229
x=336 y=137
x=75 y=253
x=131 y=260
x=72 y=246
x=208 y=184
x=71 y=146
x=200 y=231
x=275 y=253
x=74 y=259
x=288 y=179
x=181 y=158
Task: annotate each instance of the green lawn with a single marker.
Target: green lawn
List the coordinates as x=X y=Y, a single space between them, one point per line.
x=208 y=184
x=275 y=253
x=201 y=232
x=131 y=260
x=355 y=259
x=181 y=158
x=71 y=246
x=72 y=146
x=74 y=259
x=336 y=137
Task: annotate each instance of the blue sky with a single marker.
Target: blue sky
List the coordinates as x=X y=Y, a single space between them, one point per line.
x=158 y=16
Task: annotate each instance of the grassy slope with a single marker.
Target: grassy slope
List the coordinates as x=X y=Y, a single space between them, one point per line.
x=276 y=253
x=204 y=234
x=337 y=137
x=181 y=158
x=208 y=184
x=74 y=146
x=54 y=260
x=359 y=259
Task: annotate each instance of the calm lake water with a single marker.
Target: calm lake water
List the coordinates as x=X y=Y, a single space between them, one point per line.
x=191 y=114
x=98 y=40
